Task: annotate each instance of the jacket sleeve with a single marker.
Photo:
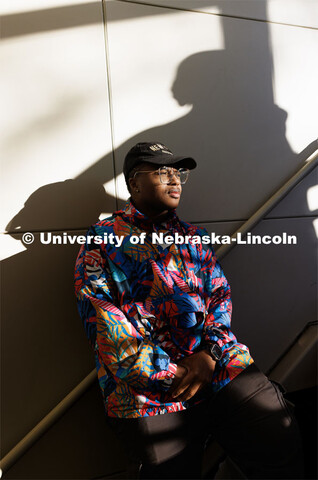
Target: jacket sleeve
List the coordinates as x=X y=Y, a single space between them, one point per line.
x=128 y=352
x=217 y=325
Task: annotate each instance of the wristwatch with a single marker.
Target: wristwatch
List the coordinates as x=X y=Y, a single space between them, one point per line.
x=215 y=351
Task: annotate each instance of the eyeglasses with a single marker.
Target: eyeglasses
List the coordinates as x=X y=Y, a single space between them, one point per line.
x=167 y=173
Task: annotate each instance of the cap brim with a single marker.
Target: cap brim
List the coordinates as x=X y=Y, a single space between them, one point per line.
x=186 y=162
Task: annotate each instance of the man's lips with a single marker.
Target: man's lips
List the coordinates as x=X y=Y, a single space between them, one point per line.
x=174 y=193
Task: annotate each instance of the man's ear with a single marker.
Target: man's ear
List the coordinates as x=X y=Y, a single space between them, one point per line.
x=132 y=183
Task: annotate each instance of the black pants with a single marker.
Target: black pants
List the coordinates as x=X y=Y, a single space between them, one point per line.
x=249 y=418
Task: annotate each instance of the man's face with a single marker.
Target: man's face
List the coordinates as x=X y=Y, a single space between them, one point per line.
x=150 y=195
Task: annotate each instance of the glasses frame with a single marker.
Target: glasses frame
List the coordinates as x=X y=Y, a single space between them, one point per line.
x=171 y=175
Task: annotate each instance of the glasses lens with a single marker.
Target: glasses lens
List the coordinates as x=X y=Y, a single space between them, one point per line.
x=183 y=175
x=167 y=173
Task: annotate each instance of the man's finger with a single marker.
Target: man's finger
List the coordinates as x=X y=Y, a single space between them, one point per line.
x=183 y=385
x=175 y=385
x=181 y=373
x=189 y=392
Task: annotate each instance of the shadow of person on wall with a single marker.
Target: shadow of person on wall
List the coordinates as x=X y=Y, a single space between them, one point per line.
x=236 y=133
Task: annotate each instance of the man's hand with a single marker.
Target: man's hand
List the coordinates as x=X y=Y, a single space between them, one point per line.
x=193 y=373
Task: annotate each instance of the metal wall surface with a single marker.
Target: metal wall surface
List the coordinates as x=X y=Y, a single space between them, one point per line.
x=231 y=83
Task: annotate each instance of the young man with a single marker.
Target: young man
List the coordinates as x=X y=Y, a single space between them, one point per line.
x=157 y=312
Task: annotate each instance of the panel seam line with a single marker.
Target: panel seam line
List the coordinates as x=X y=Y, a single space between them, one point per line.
x=238 y=17
x=110 y=99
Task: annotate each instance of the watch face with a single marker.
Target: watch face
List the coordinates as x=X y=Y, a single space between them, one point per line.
x=216 y=352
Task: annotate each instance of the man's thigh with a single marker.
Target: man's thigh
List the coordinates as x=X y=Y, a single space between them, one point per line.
x=256 y=427
x=186 y=465
x=167 y=446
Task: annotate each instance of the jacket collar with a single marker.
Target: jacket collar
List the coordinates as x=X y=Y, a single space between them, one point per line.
x=131 y=215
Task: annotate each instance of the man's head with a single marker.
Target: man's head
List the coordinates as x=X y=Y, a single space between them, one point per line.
x=153 y=188
x=155 y=153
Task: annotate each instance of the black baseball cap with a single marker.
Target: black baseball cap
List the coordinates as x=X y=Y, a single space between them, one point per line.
x=156 y=153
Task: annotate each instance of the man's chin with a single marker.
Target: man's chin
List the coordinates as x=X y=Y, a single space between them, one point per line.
x=172 y=207
x=173 y=203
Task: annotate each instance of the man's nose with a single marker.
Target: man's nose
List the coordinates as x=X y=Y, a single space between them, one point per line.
x=175 y=178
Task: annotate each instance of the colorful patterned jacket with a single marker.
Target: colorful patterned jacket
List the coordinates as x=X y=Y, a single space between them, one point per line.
x=145 y=306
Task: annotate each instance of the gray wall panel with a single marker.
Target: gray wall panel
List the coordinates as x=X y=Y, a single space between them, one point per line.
x=79 y=446
x=237 y=94
x=274 y=288
x=45 y=353
x=296 y=203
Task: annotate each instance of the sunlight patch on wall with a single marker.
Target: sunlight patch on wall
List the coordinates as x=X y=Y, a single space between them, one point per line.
x=315 y=224
x=295 y=79
x=10 y=246
x=312 y=198
x=298 y=12
x=122 y=191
